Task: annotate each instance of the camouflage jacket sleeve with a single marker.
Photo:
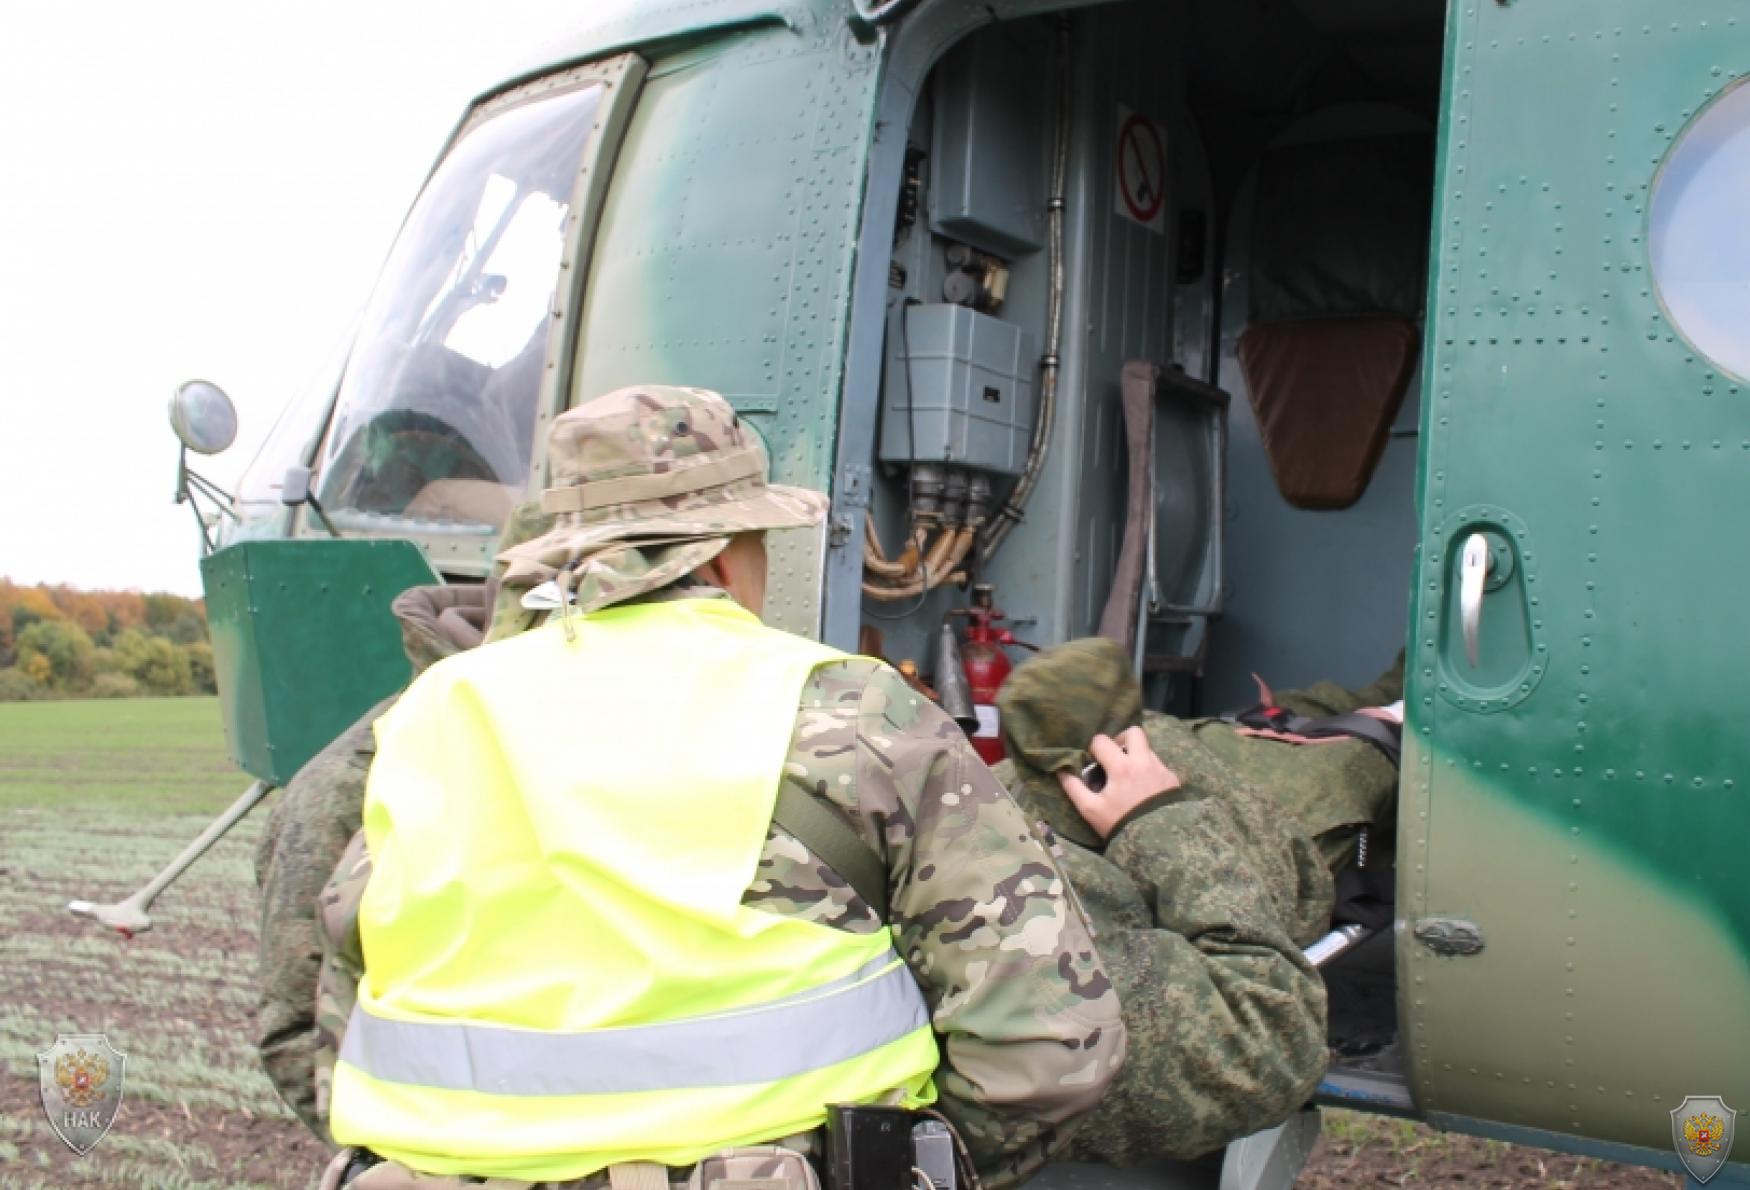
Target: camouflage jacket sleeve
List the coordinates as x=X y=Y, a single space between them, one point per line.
x=1028 y=1020
x=1226 y=1016
x=305 y=836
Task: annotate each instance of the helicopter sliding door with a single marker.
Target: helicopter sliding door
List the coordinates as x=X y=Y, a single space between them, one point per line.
x=1574 y=956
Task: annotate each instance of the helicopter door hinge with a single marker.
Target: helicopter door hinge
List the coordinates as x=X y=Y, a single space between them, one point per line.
x=850 y=496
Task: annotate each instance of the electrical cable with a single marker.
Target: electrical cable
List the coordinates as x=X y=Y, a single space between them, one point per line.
x=923 y=597
x=911 y=425
x=875 y=557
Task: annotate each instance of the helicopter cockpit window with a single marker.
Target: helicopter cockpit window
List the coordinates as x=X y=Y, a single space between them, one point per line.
x=435 y=420
x=1700 y=238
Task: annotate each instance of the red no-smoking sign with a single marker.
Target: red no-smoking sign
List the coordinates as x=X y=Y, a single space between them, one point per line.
x=1141 y=163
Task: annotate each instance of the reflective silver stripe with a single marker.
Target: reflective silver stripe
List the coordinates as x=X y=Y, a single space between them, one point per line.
x=778 y=1040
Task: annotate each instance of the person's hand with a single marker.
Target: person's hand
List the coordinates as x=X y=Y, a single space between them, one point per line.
x=1133 y=775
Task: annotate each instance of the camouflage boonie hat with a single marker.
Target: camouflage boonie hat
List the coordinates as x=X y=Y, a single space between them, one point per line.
x=648 y=484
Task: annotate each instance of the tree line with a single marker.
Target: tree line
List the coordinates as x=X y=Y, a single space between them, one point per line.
x=60 y=642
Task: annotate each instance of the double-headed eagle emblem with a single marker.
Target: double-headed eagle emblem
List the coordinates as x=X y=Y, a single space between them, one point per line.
x=1701 y=1131
x=81 y=1075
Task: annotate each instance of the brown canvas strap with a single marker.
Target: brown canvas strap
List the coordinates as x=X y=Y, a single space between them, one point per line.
x=728 y=467
x=1118 y=622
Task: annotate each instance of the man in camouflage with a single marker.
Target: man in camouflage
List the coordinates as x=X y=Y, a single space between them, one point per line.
x=1202 y=897
x=1027 y=1020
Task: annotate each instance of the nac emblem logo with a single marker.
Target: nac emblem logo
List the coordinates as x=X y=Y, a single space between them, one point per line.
x=1701 y=1130
x=80 y=1077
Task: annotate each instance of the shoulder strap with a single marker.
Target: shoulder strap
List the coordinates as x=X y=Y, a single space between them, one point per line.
x=824 y=831
x=1385 y=737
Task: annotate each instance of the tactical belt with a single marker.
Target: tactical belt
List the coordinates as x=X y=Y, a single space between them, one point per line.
x=1385 y=737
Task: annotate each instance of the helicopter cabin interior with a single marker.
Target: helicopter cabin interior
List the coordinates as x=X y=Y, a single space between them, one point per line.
x=1240 y=250
x=1246 y=194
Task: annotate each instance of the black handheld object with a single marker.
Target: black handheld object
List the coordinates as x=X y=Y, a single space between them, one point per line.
x=869 y=1148
x=1094 y=776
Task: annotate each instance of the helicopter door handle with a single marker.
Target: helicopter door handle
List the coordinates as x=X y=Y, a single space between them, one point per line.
x=1473 y=570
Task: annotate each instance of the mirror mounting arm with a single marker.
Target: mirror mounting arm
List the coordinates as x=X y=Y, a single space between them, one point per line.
x=189 y=484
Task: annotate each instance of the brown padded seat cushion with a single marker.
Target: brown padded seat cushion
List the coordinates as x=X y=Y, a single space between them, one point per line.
x=1325 y=393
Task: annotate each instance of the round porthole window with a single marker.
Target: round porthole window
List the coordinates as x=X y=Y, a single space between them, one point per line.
x=1700 y=232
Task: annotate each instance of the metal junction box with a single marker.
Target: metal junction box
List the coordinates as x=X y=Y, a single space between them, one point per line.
x=958 y=389
x=992 y=130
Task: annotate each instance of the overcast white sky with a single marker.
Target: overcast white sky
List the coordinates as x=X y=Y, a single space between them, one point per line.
x=198 y=188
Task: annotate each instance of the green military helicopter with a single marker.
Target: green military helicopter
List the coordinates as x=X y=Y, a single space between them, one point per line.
x=1268 y=335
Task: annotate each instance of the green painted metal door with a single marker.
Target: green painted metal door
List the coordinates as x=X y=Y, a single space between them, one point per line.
x=304 y=641
x=1580 y=794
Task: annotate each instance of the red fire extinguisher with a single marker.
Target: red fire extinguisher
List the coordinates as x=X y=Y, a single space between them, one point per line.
x=987 y=667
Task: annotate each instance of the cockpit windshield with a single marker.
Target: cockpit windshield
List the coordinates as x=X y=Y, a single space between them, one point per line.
x=435 y=418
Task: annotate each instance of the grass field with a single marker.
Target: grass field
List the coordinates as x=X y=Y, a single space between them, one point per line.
x=96 y=796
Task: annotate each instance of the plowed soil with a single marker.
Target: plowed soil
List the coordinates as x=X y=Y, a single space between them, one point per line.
x=1360 y=1150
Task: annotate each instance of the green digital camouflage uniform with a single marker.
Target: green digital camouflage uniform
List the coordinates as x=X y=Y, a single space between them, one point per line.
x=1201 y=900
x=1331 y=787
x=1029 y=1024
x=308 y=830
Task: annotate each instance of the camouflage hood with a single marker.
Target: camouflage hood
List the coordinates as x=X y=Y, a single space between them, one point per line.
x=1051 y=707
x=648 y=484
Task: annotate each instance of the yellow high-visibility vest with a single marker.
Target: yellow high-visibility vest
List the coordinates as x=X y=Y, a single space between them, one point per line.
x=559 y=972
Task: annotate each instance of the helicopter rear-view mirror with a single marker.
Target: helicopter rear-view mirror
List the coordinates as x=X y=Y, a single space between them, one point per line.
x=203 y=417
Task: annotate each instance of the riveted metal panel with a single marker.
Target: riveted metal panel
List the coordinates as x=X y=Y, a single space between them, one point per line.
x=608 y=26
x=303 y=641
x=724 y=254
x=1594 y=829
